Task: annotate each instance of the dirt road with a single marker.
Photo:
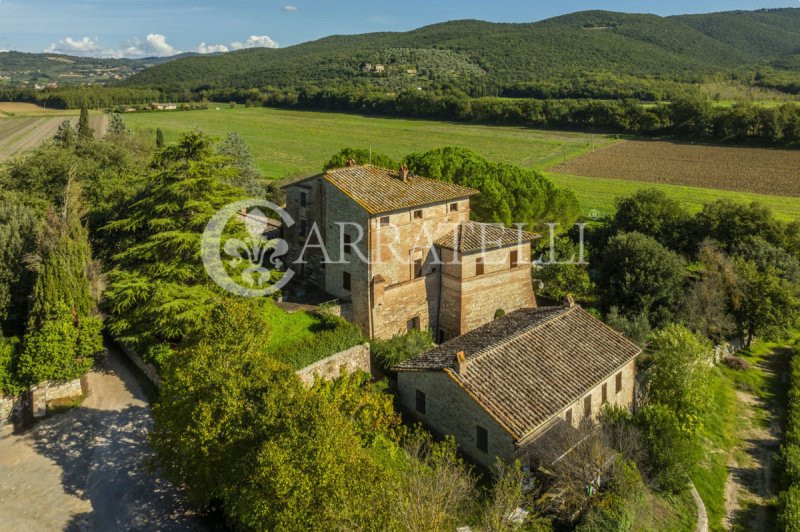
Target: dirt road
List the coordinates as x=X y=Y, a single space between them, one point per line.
x=86 y=469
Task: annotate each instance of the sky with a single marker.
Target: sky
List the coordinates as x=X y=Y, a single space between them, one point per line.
x=144 y=28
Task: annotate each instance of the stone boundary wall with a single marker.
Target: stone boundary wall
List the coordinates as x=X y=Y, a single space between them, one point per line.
x=37 y=399
x=354 y=359
x=149 y=370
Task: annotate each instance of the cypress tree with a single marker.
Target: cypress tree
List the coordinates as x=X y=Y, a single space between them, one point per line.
x=159 y=138
x=85 y=132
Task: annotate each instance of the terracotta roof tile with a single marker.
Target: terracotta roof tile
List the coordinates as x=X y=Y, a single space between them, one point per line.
x=379 y=190
x=527 y=367
x=474 y=236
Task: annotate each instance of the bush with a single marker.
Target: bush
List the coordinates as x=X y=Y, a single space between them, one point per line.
x=789 y=499
x=616 y=510
x=789 y=502
x=389 y=353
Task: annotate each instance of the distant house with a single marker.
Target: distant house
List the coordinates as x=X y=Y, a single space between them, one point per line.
x=520 y=386
x=163 y=106
x=379 y=69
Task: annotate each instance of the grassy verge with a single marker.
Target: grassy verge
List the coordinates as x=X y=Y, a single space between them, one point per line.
x=659 y=512
x=717 y=439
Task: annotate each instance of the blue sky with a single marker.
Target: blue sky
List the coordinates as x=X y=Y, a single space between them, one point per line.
x=136 y=28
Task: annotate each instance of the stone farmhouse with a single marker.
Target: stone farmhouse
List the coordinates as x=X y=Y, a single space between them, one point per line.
x=402 y=250
x=521 y=386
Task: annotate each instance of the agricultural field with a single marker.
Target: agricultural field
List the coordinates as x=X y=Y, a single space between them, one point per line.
x=741 y=169
x=289 y=143
x=24 y=126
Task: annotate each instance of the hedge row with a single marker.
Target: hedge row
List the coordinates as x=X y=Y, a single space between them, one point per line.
x=789 y=499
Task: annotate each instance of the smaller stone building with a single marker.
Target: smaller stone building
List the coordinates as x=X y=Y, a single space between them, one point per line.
x=512 y=388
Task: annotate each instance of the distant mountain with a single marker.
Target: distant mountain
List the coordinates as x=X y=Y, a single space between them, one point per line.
x=46 y=68
x=470 y=53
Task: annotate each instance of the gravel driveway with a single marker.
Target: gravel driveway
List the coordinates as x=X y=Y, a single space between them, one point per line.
x=86 y=469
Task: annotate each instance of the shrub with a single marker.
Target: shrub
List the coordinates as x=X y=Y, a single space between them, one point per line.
x=789 y=502
x=389 y=353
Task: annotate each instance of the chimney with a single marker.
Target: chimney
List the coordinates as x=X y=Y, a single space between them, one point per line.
x=351 y=162
x=461 y=363
x=404 y=173
x=569 y=301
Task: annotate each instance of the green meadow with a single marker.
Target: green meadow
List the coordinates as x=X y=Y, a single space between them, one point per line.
x=290 y=143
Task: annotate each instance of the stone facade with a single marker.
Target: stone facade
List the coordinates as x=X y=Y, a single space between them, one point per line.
x=393 y=275
x=451 y=410
x=354 y=359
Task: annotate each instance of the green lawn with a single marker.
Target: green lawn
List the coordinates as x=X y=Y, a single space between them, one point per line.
x=289 y=143
x=286 y=328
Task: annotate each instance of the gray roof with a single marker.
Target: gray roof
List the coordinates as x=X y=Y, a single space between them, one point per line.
x=530 y=365
x=379 y=190
x=474 y=236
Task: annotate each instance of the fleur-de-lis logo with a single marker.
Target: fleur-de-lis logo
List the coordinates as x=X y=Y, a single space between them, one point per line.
x=249 y=263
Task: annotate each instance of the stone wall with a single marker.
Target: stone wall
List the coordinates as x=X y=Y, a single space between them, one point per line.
x=149 y=370
x=450 y=410
x=354 y=359
x=8 y=405
x=38 y=399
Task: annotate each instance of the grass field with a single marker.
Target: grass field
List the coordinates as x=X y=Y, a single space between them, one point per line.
x=287 y=143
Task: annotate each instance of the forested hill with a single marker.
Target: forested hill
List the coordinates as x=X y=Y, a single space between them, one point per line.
x=487 y=58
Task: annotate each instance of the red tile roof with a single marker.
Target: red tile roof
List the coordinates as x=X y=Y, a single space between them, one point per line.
x=528 y=366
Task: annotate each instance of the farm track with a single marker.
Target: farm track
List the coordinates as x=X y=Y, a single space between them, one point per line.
x=742 y=169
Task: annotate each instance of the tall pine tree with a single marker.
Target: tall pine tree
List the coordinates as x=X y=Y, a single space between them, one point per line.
x=85 y=132
x=159 y=138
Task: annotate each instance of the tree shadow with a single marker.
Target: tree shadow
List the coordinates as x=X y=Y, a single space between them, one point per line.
x=104 y=458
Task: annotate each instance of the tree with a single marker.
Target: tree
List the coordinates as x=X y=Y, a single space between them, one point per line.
x=389 y=353
x=235 y=426
x=679 y=375
x=65 y=135
x=650 y=212
x=117 y=125
x=668 y=445
x=640 y=276
x=766 y=256
x=85 y=132
x=63 y=331
x=361 y=156
x=561 y=278
x=159 y=138
x=768 y=303
x=508 y=194
x=729 y=223
x=636 y=328
x=159 y=291
x=247 y=176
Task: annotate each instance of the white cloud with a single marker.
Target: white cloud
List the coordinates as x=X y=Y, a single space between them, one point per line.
x=255 y=41
x=290 y=9
x=204 y=48
x=154 y=45
x=85 y=46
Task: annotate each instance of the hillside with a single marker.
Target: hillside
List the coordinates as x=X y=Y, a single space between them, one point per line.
x=486 y=58
x=30 y=69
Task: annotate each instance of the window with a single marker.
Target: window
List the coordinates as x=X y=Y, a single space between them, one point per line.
x=514 y=258
x=605 y=393
x=483 y=439
x=454 y=207
x=302 y=228
x=418 y=215
x=303 y=199
x=346 y=280
x=479 y=269
x=385 y=221
x=417 y=268
x=420 y=400
x=568 y=417
x=412 y=324
x=619 y=382
x=348 y=243
x=587 y=406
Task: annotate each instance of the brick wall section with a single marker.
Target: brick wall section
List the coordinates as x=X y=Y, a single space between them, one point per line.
x=354 y=359
x=449 y=410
